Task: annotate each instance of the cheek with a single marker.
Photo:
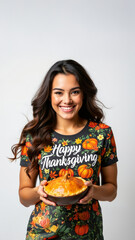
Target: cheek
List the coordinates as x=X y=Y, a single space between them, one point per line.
x=79 y=100
x=54 y=100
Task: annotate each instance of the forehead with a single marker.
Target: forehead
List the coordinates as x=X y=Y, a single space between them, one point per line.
x=64 y=81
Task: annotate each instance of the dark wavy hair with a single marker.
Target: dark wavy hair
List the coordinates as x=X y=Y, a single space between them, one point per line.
x=44 y=117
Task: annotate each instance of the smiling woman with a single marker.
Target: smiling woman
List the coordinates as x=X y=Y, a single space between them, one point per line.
x=66 y=136
x=66 y=96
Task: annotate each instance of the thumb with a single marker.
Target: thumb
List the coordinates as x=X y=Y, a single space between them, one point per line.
x=44 y=182
x=88 y=183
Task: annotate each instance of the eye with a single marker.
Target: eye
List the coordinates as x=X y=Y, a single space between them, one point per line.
x=58 y=93
x=76 y=92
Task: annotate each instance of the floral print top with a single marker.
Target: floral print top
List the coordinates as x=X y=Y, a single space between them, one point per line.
x=82 y=154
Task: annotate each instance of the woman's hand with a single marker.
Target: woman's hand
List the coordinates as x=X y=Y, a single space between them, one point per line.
x=29 y=193
x=89 y=195
x=107 y=191
x=43 y=195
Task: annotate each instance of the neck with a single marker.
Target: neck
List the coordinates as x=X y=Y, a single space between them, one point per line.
x=68 y=125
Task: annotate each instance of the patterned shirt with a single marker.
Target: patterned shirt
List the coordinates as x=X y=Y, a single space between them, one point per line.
x=82 y=154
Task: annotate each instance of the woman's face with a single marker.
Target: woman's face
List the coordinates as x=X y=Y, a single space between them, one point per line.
x=66 y=96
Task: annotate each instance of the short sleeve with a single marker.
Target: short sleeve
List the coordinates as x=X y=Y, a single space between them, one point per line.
x=25 y=162
x=109 y=152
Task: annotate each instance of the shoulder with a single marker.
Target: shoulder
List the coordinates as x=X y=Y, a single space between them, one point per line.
x=99 y=128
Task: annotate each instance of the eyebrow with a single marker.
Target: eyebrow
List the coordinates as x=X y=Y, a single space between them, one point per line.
x=63 y=89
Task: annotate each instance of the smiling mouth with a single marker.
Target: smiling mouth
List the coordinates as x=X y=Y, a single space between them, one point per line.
x=67 y=109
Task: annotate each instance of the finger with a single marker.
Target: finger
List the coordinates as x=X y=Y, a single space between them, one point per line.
x=47 y=201
x=41 y=186
x=42 y=193
x=87 y=197
x=44 y=182
x=88 y=183
x=82 y=202
x=85 y=200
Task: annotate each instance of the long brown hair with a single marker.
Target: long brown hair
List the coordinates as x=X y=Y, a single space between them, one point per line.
x=44 y=117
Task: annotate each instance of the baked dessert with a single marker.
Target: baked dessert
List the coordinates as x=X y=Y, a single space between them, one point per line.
x=66 y=189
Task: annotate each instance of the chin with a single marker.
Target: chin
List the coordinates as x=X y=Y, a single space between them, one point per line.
x=69 y=117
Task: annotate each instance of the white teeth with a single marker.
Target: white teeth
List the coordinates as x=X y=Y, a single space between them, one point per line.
x=66 y=108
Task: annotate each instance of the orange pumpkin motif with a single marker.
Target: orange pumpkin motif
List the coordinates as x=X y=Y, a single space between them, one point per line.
x=85 y=171
x=84 y=215
x=63 y=171
x=81 y=230
x=91 y=144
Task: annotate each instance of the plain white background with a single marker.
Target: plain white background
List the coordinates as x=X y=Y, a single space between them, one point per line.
x=98 y=34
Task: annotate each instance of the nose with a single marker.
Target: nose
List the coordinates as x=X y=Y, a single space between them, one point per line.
x=67 y=98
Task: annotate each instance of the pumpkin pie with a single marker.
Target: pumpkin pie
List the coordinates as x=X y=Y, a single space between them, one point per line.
x=65 y=186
